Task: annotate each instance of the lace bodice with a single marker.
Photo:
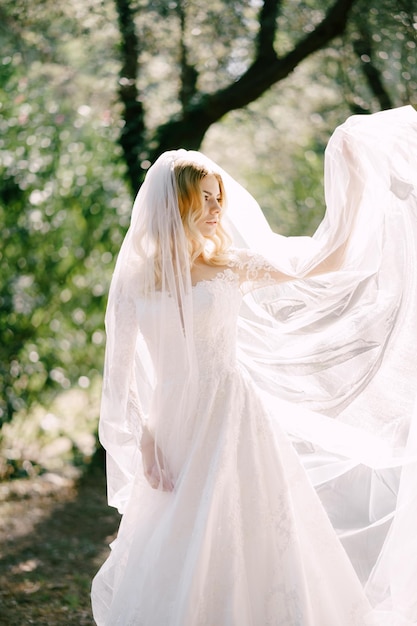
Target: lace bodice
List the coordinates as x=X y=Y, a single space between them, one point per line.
x=216 y=308
x=215 y=302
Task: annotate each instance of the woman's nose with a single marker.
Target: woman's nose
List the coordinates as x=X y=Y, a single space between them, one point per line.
x=215 y=206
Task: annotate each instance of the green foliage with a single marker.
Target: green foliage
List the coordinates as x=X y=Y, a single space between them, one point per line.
x=64 y=203
x=63 y=210
x=379 y=46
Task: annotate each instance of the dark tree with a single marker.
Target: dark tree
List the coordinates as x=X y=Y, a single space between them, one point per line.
x=199 y=107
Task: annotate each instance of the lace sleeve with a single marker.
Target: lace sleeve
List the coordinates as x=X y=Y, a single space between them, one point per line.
x=255 y=271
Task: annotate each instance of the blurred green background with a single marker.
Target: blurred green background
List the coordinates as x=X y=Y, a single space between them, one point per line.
x=90 y=92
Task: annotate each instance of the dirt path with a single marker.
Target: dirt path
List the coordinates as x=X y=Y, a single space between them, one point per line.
x=54 y=535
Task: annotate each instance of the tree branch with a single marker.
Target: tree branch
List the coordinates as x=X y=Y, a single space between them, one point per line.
x=268 y=14
x=189 y=130
x=132 y=135
x=260 y=77
x=363 y=50
x=189 y=74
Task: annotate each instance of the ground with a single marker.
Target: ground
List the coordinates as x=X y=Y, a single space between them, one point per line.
x=54 y=535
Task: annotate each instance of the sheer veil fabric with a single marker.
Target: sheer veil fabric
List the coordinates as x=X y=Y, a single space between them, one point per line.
x=332 y=358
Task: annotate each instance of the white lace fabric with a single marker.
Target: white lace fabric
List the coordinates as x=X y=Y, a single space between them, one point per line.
x=285 y=409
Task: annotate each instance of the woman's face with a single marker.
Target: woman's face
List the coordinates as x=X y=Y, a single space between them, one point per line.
x=210 y=190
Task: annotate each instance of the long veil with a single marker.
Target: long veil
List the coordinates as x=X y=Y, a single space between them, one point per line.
x=333 y=356
x=343 y=345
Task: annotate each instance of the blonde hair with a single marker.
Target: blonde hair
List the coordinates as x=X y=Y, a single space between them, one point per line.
x=188 y=176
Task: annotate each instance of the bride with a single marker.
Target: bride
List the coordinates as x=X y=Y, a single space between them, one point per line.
x=258 y=406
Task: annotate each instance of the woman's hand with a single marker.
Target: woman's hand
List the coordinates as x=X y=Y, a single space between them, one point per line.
x=153 y=465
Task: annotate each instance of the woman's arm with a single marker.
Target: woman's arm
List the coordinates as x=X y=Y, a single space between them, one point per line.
x=255 y=271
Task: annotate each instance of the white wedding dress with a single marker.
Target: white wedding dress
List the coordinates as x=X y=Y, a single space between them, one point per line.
x=243 y=539
x=286 y=413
